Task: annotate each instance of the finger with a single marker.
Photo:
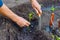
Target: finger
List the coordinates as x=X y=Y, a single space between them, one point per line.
x=39 y=11
x=21 y=25
x=35 y=9
x=27 y=23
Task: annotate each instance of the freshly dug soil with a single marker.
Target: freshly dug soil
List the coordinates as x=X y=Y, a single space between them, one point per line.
x=11 y=31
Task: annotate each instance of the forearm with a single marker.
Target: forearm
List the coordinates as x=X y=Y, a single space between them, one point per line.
x=4 y=10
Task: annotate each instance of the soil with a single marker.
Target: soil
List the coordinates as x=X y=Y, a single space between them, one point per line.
x=9 y=30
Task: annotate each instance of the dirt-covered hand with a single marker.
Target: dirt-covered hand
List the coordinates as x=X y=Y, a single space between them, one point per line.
x=36 y=6
x=22 y=22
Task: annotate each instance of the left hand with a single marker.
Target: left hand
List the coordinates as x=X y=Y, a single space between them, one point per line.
x=37 y=7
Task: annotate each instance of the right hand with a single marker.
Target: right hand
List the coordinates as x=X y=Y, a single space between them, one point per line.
x=37 y=7
x=22 y=22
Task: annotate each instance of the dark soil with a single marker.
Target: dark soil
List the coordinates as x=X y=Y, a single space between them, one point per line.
x=11 y=31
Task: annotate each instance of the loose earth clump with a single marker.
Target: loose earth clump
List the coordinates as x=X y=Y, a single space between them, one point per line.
x=9 y=30
x=39 y=35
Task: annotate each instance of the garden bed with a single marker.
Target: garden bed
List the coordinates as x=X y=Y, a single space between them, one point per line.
x=11 y=31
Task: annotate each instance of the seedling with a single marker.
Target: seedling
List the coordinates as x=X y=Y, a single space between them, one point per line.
x=57 y=32
x=55 y=37
x=30 y=18
x=52 y=9
x=52 y=17
x=52 y=36
x=31 y=15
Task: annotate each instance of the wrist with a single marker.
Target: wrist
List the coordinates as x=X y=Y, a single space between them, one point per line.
x=15 y=18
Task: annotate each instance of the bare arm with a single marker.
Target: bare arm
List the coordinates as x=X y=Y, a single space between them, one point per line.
x=19 y=20
x=7 y=12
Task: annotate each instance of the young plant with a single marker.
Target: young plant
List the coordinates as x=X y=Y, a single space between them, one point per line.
x=55 y=37
x=30 y=18
x=52 y=9
x=31 y=15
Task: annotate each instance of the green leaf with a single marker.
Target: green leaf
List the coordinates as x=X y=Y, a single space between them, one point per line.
x=52 y=36
x=52 y=9
x=31 y=15
x=58 y=38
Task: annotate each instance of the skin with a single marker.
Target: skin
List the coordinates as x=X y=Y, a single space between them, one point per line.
x=37 y=7
x=4 y=10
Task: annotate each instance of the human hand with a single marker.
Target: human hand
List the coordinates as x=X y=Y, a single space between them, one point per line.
x=37 y=7
x=22 y=22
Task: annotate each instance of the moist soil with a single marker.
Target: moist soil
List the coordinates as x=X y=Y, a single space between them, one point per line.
x=9 y=30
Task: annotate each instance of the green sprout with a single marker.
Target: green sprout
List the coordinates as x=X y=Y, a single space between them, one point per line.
x=55 y=37
x=58 y=38
x=31 y=16
x=52 y=9
x=52 y=36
